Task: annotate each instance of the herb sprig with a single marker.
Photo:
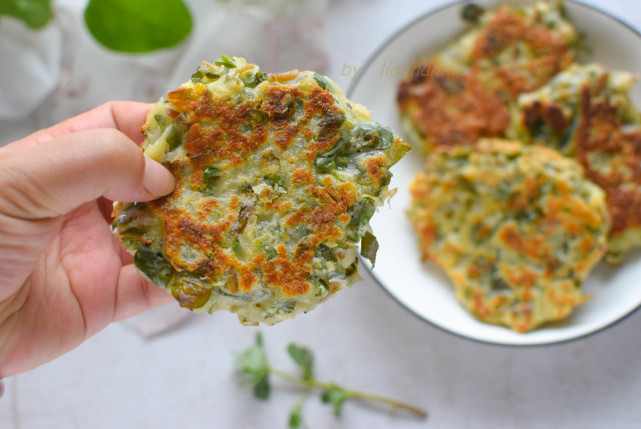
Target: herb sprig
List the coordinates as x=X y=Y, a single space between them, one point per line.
x=256 y=371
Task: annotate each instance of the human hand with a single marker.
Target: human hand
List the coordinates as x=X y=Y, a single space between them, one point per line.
x=63 y=275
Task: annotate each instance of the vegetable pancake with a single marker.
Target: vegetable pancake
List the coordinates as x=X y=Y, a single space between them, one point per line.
x=465 y=92
x=277 y=177
x=585 y=112
x=516 y=228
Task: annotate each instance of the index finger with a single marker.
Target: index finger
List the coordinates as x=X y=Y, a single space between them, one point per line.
x=125 y=116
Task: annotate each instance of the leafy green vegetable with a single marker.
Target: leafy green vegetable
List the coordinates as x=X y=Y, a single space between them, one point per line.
x=324 y=163
x=253 y=364
x=211 y=175
x=325 y=252
x=336 y=397
x=226 y=61
x=352 y=269
x=386 y=179
x=322 y=81
x=275 y=179
x=323 y=288
x=202 y=74
x=174 y=137
x=368 y=136
x=153 y=265
x=369 y=247
x=161 y=120
x=251 y=80
x=137 y=26
x=361 y=213
x=304 y=358
x=270 y=253
x=34 y=13
x=364 y=137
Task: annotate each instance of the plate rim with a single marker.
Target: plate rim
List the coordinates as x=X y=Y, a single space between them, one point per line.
x=350 y=90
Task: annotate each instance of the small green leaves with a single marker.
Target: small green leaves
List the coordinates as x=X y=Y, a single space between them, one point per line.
x=361 y=213
x=270 y=253
x=34 y=13
x=369 y=247
x=275 y=179
x=173 y=137
x=325 y=164
x=211 y=175
x=226 y=61
x=202 y=75
x=137 y=26
x=161 y=120
x=366 y=137
x=251 y=79
x=323 y=288
x=304 y=358
x=296 y=416
x=262 y=388
x=336 y=397
x=253 y=364
x=322 y=81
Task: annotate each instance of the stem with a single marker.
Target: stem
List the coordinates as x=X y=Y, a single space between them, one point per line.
x=315 y=384
x=394 y=403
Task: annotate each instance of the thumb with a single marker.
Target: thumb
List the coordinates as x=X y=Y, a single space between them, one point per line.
x=59 y=175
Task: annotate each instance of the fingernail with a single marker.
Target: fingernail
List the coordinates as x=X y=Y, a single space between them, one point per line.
x=157 y=179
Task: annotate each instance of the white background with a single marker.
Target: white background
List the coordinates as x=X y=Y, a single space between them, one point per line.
x=362 y=338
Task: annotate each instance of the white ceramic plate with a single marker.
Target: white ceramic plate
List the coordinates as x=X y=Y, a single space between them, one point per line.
x=422 y=287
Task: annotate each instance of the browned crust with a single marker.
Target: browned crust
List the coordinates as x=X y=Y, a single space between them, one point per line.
x=213 y=137
x=452 y=108
x=600 y=132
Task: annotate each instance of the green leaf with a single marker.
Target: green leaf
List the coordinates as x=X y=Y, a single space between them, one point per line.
x=304 y=358
x=296 y=416
x=154 y=266
x=336 y=397
x=251 y=80
x=252 y=363
x=174 y=137
x=262 y=388
x=369 y=247
x=138 y=26
x=322 y=81
x=203 y=74
x=34 y=13
x=226 y=61
x=211 y=175
x=275 y=179
x=362 y=212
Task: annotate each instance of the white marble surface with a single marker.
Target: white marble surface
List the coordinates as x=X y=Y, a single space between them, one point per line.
x=362 y=338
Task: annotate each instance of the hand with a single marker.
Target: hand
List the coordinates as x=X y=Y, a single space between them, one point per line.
x=63 y=275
